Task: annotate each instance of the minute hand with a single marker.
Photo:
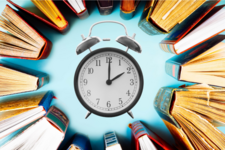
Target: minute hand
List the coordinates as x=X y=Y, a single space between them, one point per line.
x=117 y=76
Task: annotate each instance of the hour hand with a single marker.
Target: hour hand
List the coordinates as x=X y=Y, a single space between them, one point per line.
x=109 y=82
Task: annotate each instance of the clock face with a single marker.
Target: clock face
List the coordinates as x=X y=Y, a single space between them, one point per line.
x=108 y=82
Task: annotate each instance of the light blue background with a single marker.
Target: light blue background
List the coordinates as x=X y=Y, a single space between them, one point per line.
x=62 y=62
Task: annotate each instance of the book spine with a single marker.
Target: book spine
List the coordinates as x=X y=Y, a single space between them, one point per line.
x=58 y=118
x=163 y=103
x=138 y=129
x=173 y=69
x=169 y=48
x=105 y=10
x=110 y=139
x=43 y=79
x=149 y=28
x=46 y=100
x=126 y=15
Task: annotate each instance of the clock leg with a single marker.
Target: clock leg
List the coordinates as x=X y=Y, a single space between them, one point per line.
x=131 y=114
x=88 y=114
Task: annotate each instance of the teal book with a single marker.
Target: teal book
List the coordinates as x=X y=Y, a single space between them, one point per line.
x=46 y=133
x=111 y=141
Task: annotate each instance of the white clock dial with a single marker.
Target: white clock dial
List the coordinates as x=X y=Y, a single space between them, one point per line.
x=108 y=82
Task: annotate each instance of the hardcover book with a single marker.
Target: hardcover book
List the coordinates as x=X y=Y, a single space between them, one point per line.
x=111 y=141
x=21 y=40
x=47 y=133
x=105 y=7
x=194 y=31
x=202 y=64
x=78 y=142
x=49 y=9
x=145 y=139
x=192 y=114
x=18 y=112
x=78 y=7
x=128 y=8
x=161 y=17
x=26 y=79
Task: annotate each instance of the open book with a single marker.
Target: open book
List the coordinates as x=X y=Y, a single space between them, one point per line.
x=46 y=134
x=21 y=40
x=19 y=111
x=26 y=79
x=201 y=64
x=192 y=114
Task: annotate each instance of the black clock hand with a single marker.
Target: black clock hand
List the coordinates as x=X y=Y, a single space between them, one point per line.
x=109 y=70
x=117 y=76
x=109 y=82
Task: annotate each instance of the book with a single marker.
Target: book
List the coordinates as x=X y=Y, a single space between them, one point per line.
x=26 y=79
x=145 y=139
x=50 y=10
x=21 y=40
x=78 y=142
x=18 y=112
x=46 y=133
x=111 y=141
x=128 y=8
x=105 y=7
x=162 y=17
x=186 y=36
x=202 y=64
x=78 y=7
x=191 y=114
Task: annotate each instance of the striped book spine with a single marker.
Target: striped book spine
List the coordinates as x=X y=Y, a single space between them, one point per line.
x=110 y=139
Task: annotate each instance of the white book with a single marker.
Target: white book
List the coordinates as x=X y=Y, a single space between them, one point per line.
x=77 y=5
x=146 y=144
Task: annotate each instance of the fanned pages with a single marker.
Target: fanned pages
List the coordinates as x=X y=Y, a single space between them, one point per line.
x=14 y=81
x=22 y=40
x=194 y=111
x=17 y=112
x=47 y=133
x=175 y=16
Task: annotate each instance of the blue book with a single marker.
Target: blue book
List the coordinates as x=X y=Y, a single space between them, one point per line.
x=78 y=142
x=111 y=141
x=18 y=111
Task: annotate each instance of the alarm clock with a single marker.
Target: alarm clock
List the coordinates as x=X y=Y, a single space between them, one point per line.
x=108 y=81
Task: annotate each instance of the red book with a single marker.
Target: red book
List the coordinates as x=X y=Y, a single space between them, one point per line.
x=82 y=15
x=139 y=130
x=63 y=29
x=45 y=49
x=182 y=30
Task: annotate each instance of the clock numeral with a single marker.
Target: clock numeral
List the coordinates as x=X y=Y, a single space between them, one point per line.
x=98 y=62
x=119 y=62
x=88 y=92
x=98 y=99
x=128 y=93
x=85 y=81
x=108 y=104
x=108 y=59
x=90 y=70
x=131 y=82
x=129 y=70
x=120 y=101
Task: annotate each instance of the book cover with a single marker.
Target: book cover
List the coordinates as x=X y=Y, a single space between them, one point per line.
x=78 y=141
x=105 y=7
x=45 y=50
x=62 y=30
x=130 y=9
x=180 y=30
x=82 y=15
